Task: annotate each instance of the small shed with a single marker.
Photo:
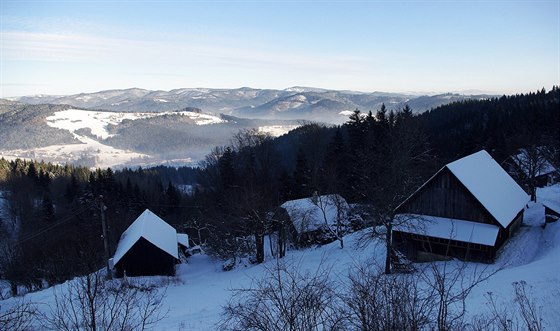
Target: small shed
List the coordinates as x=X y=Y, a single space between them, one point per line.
x=551 y=211
x=147 y=247
x=468 y=209
x=311 y=220
x=526 y=164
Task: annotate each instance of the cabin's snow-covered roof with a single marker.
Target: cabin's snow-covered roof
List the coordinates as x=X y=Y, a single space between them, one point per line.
x=490 y=184
x=183 y=239
x=152 y=228
x=307 y=214
x=446 y=228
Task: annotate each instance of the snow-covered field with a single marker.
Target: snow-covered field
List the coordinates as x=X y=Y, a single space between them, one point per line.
x=94 y=153
x=277 y=130
x=98 y=121
x=196 y=295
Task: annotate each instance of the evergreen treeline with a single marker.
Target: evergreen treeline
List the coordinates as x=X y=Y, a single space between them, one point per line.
x=499 y=125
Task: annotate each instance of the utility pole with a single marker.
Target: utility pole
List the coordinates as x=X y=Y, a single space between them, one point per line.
x=105 y=238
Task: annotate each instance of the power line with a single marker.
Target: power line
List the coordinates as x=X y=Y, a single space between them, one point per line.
x=50 y=227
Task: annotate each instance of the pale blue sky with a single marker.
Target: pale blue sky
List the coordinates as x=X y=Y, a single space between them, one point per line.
x=64 y=47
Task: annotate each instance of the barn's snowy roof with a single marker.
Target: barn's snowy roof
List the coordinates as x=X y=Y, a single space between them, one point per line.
x=446 y=228
x=183 y=239
x=307 y=214
x=152 y=228
x=490 y=184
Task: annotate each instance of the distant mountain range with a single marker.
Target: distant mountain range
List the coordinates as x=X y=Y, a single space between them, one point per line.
x=293 y=103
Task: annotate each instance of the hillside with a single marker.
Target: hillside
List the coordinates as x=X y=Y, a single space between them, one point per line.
x=61 y=133
x=195 y=297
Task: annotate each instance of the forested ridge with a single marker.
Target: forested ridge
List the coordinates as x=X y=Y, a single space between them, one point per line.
x=50 y=229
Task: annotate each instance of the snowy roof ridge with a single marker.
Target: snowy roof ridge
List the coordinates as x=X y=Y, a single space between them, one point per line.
x=152 y=228
x=490 y=184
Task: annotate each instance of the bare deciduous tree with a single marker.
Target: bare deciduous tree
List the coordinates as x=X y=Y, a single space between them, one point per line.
x=326 y=204
x=531 y=162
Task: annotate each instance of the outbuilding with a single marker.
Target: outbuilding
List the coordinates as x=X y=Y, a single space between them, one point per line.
x=467 y=210
x=147 y=247
x=313 y=220
x=551 y=211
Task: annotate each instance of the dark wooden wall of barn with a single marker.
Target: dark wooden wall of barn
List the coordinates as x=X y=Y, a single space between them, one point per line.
x=145 y=259
x=445 y=196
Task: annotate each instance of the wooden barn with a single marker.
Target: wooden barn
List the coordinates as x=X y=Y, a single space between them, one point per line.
x=147 y=247
x=467 y=210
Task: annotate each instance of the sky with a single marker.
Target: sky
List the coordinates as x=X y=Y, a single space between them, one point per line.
x=68 y=47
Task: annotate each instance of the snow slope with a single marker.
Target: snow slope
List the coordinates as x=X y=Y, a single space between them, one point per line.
x=91 y=152
x=195 y=297
x=75 y=119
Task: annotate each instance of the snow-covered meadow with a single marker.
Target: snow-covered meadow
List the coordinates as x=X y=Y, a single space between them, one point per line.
x=195 y=296
x=94 y=152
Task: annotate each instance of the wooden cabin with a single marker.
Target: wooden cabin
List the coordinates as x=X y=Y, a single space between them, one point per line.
x=147 y=247
x=467 y=210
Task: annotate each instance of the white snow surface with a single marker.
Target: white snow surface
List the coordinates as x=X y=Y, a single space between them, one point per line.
x=98 y=121
x=490 y=184
x=196 y=295
x=310 y=214
x=183 y=239
x=446 y=228
x=277 y=130
x=152 y=228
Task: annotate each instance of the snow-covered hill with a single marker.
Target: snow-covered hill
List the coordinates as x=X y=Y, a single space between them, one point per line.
x=93 y=150
x=99 y=121
x=95 y=138
x=195 y=297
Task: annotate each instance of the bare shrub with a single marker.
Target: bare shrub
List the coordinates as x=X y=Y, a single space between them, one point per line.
x=285 y=299
x=92 y=303
x=376 y=301
x=524 y=315
x=451 y=282
x=20 y=316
